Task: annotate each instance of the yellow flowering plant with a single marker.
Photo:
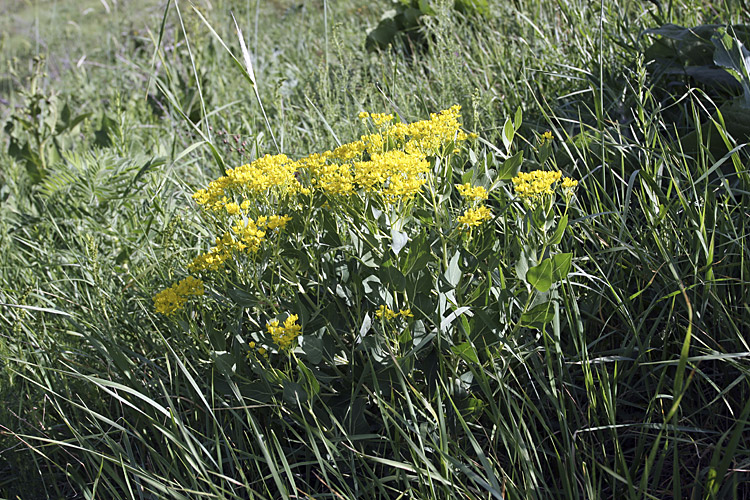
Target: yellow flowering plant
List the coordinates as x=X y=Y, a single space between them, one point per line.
x=373 y=250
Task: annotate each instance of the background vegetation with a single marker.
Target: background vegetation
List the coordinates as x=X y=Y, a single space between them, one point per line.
x=115 y=112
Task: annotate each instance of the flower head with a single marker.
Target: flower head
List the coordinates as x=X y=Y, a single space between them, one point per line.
x=474 y=217
x=172 y=299
x=532 y=185
x=284 y=336
x=475 y=193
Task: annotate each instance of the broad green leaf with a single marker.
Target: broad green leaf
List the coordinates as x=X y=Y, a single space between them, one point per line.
x=393 y=277
x=294 y=393
x=522 y=266
x=466 y=352
x=732 y=55
x=224 y=362
x=561 y=266
x=242 y=298
x=306 y=375
x=453 y=273
x=540 y=277
x=508 y=133
x=383 y=35
x=518 y=119
x=510 y=167
x=400 y=239
x=312 y=346
x=559 y=231
x=255 y=391
x=538 y=316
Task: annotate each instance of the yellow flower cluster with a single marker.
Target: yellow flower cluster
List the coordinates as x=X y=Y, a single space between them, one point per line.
x=391 y=162
x=249 y=236
x=535 y=184
x=429 y=137
x=171 y=300
x=261 y=350
x=216 y=256
x=475 y=193
x=475 y=217
x=267 y=175
x=384 y=312
x=477 y=213
x=379 y=119
x=286 y=335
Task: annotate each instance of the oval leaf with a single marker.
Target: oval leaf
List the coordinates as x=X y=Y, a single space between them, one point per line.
x=466 y=352
x=538 y=316
x=559 y=231
x=540 y=277
x=561 y=266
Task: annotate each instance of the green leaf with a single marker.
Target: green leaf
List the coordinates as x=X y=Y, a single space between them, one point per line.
x=453 y=273
x=561 y=265
x=731 y=54
x=393 y=277
x=538 y=316
x=509 y=132
x=313 y=386
x=255 y=391
x=510 y=167
x=224 y=362
x=383 y=35
x=518 y=119
x=313 y=348
x=522 y=266
x=241 y=297
x=294 y=393
x=540 y=277
x=559 y=231
x=466 y=352
x=400 y=239
x=103 y=136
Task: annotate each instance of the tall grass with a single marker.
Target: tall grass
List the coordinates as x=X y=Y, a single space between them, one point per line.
x=637 y=388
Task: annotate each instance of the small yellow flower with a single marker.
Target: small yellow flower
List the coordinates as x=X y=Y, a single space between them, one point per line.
x=277 y=221
x=405 y=313
x=232 y=208
x=284 y=336
x=474 y=217
x=568 y=183
x=477 y=193
x=172 y=299
x=386 y=313
x=535 y=184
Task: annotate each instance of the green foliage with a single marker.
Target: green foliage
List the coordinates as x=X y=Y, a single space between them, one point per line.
x=37 y=129
x=713 y=57
x=403 y=24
